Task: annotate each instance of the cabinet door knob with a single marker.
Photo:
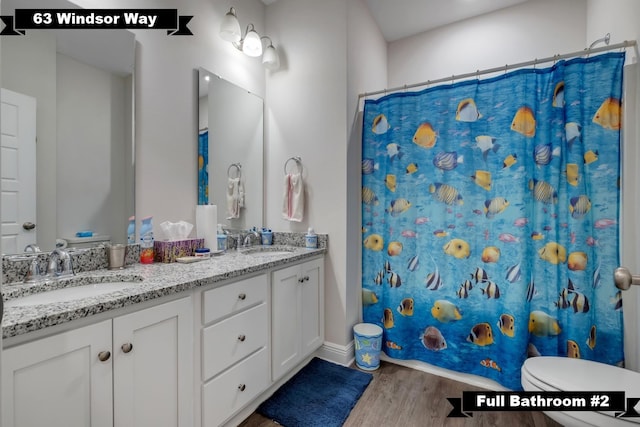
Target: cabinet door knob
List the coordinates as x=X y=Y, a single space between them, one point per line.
x=241 y=338
x=103 y=356
x=242 y=296
x=300 y=280
x=127 y=347
x=306 y=278
x=241 y=387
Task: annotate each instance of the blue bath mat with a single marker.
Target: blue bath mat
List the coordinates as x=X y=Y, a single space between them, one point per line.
x=321 y=394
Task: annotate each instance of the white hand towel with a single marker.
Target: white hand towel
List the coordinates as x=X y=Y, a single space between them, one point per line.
x=235 y=197
x=293 y=200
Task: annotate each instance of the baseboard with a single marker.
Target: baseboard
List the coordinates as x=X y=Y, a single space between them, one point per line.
x=340 y=354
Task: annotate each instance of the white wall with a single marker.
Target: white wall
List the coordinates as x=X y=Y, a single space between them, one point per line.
x=534 y=29
x=307 y=117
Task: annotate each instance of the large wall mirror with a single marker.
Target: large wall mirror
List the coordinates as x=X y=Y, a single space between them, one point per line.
x=80 y=176
x=230 y=146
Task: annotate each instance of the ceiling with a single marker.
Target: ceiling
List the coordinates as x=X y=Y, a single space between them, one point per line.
x=398 y=19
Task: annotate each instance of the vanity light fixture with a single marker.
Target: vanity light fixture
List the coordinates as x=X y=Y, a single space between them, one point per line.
x=251 y=43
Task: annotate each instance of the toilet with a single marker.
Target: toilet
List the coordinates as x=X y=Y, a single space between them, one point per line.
x=547 y=373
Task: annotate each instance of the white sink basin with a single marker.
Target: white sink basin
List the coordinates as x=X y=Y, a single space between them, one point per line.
x=69 y=294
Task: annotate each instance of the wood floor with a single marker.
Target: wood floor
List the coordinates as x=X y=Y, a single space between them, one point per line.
x=400 y=396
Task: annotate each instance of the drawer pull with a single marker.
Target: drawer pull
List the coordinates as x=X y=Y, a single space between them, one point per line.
x=241 y=387
x=241 y=338
x=103 y=356
x=242 y=296
x=127 y=347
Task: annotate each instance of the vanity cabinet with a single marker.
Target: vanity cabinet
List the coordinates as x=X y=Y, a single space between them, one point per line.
x=60 y=380
x=133 y=370
x=235 y=356
x=297 y=314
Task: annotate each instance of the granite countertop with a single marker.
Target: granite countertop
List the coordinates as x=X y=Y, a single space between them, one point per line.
x=150 y=281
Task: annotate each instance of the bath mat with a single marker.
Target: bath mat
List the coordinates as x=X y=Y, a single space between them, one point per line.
x=320 y=394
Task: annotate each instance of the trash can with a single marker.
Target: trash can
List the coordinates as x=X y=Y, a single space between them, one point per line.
x=367 y=339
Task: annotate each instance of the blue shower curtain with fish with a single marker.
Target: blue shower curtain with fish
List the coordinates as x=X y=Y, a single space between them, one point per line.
x=203 y=167
x=490 y=214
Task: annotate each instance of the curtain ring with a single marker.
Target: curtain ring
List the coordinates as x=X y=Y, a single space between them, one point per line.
x=506 y=67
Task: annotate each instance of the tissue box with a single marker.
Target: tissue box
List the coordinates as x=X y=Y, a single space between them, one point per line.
x=168 y=251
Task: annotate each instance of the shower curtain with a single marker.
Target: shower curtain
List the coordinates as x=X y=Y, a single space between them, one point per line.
x=490 y=213
x=203 y=167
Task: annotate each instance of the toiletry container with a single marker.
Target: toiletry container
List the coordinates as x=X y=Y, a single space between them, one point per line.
x=222 y=239
x=146 y=241
x=267 y=236
x=202 y=253
x=311 y=239
x=131 y=231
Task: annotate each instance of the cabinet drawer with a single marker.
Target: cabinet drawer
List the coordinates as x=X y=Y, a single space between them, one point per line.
x=226 y=300
x=226 y=394
x=226 y=342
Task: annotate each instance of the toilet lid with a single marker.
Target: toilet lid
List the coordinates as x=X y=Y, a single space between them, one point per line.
x=568 y=374
x=564 y=373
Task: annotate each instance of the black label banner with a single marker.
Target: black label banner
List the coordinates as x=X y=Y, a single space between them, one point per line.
x=603 y=401
x=140 y=19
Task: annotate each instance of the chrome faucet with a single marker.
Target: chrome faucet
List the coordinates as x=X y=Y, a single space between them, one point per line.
x=55 y=258
x=247 y=238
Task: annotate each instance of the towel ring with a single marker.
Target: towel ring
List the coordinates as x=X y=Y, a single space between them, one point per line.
x=238 y=168
x=298 y=161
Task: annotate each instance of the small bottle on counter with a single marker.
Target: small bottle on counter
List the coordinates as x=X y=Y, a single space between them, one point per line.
x=222 y=239
x=131 y=231
x=266 y=236
x=146 y=241
x=311 y=239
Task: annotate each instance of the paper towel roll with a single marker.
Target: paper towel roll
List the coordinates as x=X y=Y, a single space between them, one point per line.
x=206 y=225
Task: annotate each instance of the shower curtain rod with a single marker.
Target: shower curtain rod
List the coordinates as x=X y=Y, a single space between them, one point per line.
x=588 y=51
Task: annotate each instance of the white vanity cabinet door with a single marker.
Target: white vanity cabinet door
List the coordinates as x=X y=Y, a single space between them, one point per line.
x=297 y=315
x=60 y=380
x=153 y=366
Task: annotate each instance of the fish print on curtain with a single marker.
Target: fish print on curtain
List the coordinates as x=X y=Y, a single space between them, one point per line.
x=490 y=219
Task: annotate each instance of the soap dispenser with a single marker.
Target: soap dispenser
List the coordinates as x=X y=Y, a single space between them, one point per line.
x=311 y=239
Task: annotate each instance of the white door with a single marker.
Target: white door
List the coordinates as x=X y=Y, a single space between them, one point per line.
x=18 y=170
